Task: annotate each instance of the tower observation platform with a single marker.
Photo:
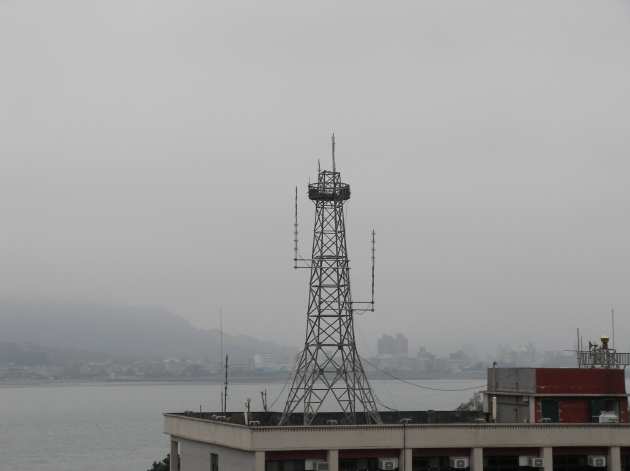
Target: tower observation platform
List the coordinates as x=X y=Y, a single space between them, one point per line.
x=329 y=187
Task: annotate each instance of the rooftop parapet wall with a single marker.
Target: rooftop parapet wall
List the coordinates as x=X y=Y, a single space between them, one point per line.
x=271 y=419
x=354 y=437
x=517 y=380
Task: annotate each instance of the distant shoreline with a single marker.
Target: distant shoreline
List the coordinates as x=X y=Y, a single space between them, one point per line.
x=213 y=380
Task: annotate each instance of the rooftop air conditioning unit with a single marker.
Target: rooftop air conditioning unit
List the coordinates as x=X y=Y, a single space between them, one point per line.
x=608 y=418
x=388 y=463
x=459 y=462
x=536 y=462
x=597 y=461
x=316 y=465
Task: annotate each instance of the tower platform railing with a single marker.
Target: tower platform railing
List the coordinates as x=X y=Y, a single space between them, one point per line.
x=329 y=192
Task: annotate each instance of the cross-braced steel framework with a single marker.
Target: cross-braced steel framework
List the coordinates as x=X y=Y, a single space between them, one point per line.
x=329 y=367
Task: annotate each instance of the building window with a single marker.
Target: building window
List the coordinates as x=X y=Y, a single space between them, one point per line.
x=601 y=406
x=500 y=463
x=571 y=463
x=550 y=410
x=214 y=462
x=431 y=463
x=285 y=465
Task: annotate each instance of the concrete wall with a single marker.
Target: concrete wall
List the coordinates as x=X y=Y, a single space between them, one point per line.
x=512 y=409
x=391 y=436
x=207 y=431
x=441 y=436
x=521 y=380
x=195 y=456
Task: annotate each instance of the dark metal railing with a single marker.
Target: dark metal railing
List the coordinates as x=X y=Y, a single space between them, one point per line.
x=602 y=358
x=328 y=191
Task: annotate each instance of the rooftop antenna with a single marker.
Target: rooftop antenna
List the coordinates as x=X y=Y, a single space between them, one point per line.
x=225 y=387
x=333 y=153
x=579 y=342
x=263 y=396
x=578 y=349
x=612 y=320
x=220 y=335
x=370 y=303
x=373 y=258
x=295 y=234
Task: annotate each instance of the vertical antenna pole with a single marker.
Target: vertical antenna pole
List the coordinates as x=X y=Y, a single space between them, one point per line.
x=373 y=258
x=612 y=319
x=295 y=233
x=220 y=336
x=225 y=385
x=263 y=397
x=577 y=348
x=333 y=153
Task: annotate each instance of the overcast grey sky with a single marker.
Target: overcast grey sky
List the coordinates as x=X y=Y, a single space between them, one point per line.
x=149 y=150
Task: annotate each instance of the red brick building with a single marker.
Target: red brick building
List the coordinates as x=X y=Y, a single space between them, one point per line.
x=557 y=395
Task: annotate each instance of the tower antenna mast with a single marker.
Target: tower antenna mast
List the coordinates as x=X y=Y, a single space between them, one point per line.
x=295 y=233
x=329 y=368
x=612 y=320
x=373 y=259
x=334 y=167
x=221 y=337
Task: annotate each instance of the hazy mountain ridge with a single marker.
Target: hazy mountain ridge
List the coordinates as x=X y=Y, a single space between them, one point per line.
x=122 y=331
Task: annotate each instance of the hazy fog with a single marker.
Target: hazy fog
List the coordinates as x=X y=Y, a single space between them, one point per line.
x=149 y=150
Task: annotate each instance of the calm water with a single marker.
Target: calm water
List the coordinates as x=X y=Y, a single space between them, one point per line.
x=118 y=427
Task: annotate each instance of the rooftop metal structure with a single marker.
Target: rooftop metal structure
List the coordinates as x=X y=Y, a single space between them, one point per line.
x=329 y=368
x=601 y=356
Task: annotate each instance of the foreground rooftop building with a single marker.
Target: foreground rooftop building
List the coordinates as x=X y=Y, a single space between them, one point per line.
x=519 y=431
x=552 y=420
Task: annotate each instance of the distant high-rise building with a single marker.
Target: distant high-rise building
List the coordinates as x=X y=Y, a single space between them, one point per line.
x=389 y=345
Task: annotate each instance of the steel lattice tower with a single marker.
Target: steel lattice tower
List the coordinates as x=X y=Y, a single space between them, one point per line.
x=329 y=367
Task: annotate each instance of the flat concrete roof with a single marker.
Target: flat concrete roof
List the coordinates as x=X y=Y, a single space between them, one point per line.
x=271 y=419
